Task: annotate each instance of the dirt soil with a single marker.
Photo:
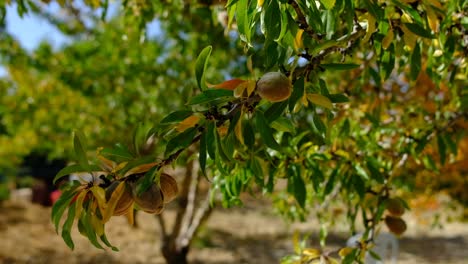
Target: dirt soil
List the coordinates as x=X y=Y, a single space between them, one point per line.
x=242 y=235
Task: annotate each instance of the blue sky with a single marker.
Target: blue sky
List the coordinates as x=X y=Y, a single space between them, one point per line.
x=30 y=30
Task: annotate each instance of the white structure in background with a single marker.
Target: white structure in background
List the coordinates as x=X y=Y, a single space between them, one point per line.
x=386 y=246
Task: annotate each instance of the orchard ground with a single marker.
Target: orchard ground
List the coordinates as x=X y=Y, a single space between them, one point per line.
x=251 y=234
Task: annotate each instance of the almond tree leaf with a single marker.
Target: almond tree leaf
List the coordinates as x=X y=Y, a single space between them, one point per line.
x=188 y=122
x=60 y=205
x=284 y=124
x=200 y=67
x=97 y=224
x=140 y=169
x=130 y=216
x=329 y=4
x=209 y=96
x=73 y=169
x=320 y=100
x=112 y=203
x=409 y=37
x=387 y=40
x=265 y=131
x=79 y=145
x=415 y=66
x=182 y=140
x=176 y=116
x=88 y=229
x=100 y=196
x=227 y=85
x=66 y=229
x=117 y=153
x=107 y=243
x=370 y=27
x=202 y=153
x=339 y=66
x=419 y=30
x=79 y=203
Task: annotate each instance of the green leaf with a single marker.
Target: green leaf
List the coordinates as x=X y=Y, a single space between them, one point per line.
x=200 y=67
x=265 y=131
x=329 y=4
x=442 y=148
x=74 y=168
x=419 y=30
x=271 y=25
x=88 y=229
x=79 y=144
x=299 y=189
x=145 y=183
x=319 y=125
x=320 y=100
x=415 y=66
x=66 y=229
x=202 y=153
x=284 y=124
x=176 y=117
x=275 y=111
x=181 y=141
x=361 y=172
x=211 y=140
x=249 y=135
x=107 y=243
x=297 y=93
x=242 y=19
x=60 y=205
x=338 y=98
x=211 y=95
x=118 y=153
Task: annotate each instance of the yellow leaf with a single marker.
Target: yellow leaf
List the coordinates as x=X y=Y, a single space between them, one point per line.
x=260 y=3
x=112 y=203
x=409 y=37
x=320 y=100
x=129 y=215
x=296 y=243
x=298 y=44
x=79 y=203
x=119 y=167
x=387 y=40
x=345 y=251
x=97 y=224
x=238 y=130
x=435 y=3
x=100 y=196
x=187 y=123
x=311 y=252
x=107 y=164
x=227 y=85
x=247 y=85
x=140 y=169
x=304 y=100
x=432 y=19
x=370 y=27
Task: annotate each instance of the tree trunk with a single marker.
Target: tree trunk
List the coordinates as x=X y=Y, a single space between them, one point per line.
x=173 y=255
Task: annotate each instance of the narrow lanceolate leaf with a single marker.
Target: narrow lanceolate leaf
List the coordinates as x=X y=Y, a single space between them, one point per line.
x=140 y=169
x=442 y=148
x=238 y=131
x=187 y=123
x=202 y=153
x=97 y=224
x=118 y=153
x=266 y=132
x=370 y=27
x=320 y=100
x=66 y=229
x=100 y=196
x=112 y=203
x=419 y=30
x=60 y=206
x=176 y=116
x=200 y=67
x=329 y=4
x=180 y=141
x=339 y=66
x=387 y=40
x=73 y=169
x=130 y=216
x=79 y=203
x=106 y=241
x=79 y=145
x=227 y=85
x=88 y=229
x=211 y=95
x=415 y=66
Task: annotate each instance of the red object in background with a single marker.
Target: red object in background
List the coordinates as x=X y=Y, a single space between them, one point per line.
x=55 y=195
